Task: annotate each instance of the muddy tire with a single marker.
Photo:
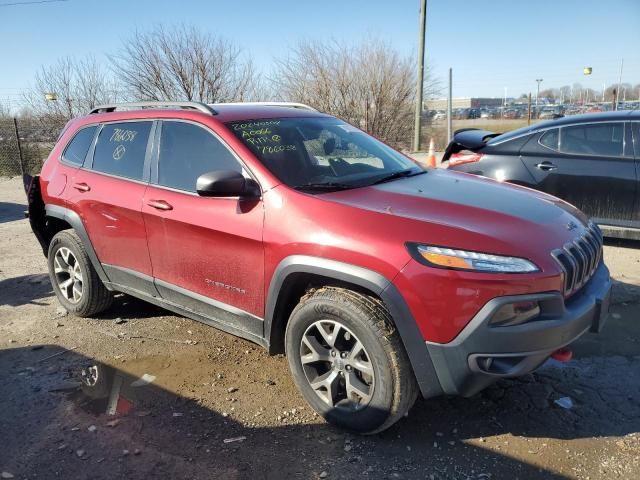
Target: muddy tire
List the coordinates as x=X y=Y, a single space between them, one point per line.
x=348 y=361
x=75 y=282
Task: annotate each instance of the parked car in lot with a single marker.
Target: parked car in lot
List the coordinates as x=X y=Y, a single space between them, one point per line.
x=511 y=114
x=297 y=231
x=592 y=161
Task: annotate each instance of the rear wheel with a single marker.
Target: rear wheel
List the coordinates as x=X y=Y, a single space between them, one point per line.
x=74 y=280
x=348 y=360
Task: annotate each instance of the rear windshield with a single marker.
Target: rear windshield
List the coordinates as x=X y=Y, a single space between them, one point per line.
x=512 y=134
x=315 y=152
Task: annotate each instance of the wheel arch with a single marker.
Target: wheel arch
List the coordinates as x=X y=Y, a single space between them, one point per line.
x=295 y=274
x=61 y=216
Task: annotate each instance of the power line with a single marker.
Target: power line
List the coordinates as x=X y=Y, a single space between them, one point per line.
x=30 y=2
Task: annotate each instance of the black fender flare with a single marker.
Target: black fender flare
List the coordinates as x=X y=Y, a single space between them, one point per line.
x=73 y=219
x=374 y=282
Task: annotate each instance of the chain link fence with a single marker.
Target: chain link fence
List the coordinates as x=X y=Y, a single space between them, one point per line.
x=25 y=143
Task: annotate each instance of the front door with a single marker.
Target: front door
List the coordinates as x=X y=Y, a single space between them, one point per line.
x=207 y=253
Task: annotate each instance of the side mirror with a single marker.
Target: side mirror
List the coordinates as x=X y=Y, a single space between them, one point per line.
x=226 y=183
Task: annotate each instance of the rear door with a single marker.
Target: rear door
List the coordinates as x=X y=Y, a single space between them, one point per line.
x=206 y=252
x=589 y=165
x=107 y=194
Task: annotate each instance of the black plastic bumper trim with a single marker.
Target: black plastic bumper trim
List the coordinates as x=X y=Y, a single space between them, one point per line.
x=530 y=343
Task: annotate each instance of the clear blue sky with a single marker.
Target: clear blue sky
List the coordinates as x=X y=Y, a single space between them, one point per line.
x=491 y=44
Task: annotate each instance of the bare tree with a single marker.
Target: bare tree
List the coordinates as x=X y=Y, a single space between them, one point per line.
x=5 y=111
x=70 y=88
x=184 y=64
x=369 y=85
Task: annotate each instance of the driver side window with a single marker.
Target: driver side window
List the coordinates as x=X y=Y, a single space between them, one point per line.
x=187 y=151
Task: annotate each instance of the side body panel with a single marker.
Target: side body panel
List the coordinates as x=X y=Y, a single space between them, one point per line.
x=209 y=246
x=604 y=188
x=111 y=212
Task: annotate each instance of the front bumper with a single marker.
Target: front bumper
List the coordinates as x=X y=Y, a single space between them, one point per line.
x=481 y=353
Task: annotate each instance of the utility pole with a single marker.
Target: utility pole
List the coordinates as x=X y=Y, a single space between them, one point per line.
x=420 y=80
x=450 y=107
x=539 y=80
x=615 y=107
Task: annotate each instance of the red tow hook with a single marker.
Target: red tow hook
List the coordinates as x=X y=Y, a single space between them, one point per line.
x=563 y=354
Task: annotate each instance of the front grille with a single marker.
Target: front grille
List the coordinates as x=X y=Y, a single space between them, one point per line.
x=580 y=258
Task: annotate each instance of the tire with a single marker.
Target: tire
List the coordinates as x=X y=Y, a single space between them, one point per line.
x=391 y=389
x=67 y=259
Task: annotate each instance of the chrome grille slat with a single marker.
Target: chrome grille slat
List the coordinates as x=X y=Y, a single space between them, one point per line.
x=579 y=259
x=588 y=254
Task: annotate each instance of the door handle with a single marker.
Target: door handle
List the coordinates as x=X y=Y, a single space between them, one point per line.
x=82 y=187
x=160 y=205
x=546 y=166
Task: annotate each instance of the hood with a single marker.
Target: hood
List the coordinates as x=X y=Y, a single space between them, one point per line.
x=470 y=212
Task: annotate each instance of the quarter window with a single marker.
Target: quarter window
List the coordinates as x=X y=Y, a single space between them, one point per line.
x=606 y=139
x=78 y=147
x=121 y=149
x=187 y=151
x=550 y=139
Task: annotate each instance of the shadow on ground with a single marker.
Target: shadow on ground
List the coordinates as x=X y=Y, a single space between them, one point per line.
x=10 y=212
x=25 y=289
x=59 y=427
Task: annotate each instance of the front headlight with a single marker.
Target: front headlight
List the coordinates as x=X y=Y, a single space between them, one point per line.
x=466 y=260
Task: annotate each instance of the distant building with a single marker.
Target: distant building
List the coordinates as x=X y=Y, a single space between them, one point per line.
x=441 y=104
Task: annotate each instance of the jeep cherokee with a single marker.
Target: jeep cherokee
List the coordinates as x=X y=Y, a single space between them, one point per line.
x=378 y=279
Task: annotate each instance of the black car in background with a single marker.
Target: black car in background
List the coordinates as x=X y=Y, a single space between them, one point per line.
x=592 y=161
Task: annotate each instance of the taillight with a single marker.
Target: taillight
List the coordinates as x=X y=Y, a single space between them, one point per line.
x=464 y=156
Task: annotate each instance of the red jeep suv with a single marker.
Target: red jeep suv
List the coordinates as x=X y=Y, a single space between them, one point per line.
x=297 y=231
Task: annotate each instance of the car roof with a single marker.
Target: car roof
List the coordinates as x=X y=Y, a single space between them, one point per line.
x=589 y=118
x=593 y=117
x=248 y=111
x=221 y=112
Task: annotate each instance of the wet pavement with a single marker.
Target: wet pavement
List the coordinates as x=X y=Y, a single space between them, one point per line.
x=213 y=406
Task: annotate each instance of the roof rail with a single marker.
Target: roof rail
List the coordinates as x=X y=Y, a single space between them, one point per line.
x=301 y=106
x=111 y=107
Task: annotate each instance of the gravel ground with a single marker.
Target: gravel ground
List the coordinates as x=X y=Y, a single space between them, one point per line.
x=220 y=407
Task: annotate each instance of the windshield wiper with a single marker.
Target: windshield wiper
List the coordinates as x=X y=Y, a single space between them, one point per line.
x=410 y=172
x=326 y=186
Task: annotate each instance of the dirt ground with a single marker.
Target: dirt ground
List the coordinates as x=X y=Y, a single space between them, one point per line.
x=220 y=407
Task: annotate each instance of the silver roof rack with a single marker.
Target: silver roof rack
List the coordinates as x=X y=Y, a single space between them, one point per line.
x=112 y=107
x=301 y=106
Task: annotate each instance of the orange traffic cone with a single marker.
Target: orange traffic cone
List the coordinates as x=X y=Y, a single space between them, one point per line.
x=431 y=157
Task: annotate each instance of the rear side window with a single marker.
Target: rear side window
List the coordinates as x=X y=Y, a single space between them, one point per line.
x=550 y=139
x=187 y=151
x=121 y=149
x=605 y=139
x=78 y=147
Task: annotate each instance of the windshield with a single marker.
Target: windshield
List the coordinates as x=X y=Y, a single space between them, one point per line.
x=321 y=153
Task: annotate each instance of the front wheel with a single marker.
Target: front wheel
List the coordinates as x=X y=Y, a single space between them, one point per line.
x=348 y=361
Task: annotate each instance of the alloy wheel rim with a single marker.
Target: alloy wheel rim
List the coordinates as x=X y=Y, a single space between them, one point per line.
x=68 y=275
x=337 y=366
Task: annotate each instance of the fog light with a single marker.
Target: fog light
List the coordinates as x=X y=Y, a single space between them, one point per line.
x=515 y=314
